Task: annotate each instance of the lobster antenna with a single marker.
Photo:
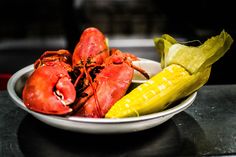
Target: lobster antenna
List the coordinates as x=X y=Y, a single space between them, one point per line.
x=94 y=92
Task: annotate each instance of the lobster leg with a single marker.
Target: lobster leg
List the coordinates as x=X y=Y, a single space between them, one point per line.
x=51 y=56
x=143 y=72
x=128 y=58
x=84 y=96
x=78 y=78
x=97 y=106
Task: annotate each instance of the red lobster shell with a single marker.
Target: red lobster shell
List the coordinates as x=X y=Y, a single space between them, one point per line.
x=49 y=89
x=86 y=84
x=91 y=51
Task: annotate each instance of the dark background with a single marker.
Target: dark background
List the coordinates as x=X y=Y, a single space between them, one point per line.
x=28 y=28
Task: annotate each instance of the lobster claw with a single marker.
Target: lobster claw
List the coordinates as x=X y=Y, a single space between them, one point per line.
x=111 y=84
x=49 y=89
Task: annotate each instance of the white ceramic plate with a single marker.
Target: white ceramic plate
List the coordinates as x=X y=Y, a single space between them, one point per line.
x=98 y=126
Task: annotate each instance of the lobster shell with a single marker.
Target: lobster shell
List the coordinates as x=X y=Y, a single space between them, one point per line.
x=49 y=90
x=111 y=84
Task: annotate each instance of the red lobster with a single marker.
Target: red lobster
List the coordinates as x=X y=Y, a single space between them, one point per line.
x=86 y=85
x=49 y=89
x=110 y=84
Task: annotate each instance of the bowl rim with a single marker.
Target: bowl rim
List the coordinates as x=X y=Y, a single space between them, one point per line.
x=185 y=103
x=145 y=61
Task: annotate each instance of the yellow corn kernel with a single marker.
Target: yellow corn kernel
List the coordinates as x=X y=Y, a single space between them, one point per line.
x=171 y=84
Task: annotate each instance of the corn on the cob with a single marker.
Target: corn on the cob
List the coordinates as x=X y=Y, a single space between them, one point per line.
x=173 y=83
x=177 y=80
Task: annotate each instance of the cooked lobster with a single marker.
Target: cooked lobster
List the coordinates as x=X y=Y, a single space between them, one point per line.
x=86 y=83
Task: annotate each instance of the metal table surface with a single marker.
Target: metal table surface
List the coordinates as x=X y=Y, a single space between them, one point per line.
x=206 y=128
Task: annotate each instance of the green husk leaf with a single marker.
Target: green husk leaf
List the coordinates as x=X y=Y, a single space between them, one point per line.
x=162 y=47
x=193 y=58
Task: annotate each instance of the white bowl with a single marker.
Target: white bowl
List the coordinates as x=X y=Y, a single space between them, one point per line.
x=95 y=125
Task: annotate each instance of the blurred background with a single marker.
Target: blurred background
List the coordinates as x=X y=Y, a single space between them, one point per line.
x=28 y=28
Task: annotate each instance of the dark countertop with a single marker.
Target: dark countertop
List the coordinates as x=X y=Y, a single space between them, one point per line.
x=207 y=127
